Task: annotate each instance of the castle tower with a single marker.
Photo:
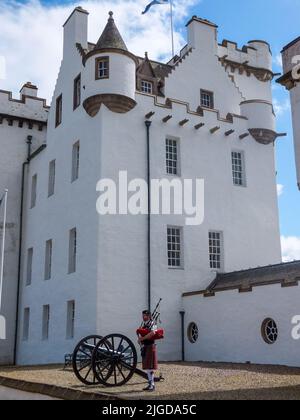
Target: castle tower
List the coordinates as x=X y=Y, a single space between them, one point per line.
x=109 y=76
x=291 y=81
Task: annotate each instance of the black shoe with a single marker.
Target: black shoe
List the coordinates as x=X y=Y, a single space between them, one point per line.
x=150 y=388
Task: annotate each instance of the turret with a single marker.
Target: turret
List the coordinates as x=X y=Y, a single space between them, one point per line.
x=109 y=75
x=291 y=81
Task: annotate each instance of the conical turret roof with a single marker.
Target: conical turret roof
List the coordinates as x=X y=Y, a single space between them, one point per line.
x=111 y=37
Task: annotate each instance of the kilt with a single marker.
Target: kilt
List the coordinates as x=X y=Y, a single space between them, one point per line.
x=150 y=357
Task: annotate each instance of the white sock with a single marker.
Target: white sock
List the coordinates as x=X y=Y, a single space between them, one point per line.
x=150 y=374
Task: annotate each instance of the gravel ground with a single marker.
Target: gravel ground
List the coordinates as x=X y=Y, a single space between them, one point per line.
x=190 y=381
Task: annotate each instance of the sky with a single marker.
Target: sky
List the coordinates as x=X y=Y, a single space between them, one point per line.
x=31 y=45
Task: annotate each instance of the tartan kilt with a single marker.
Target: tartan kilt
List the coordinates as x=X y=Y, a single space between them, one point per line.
x=150 y=359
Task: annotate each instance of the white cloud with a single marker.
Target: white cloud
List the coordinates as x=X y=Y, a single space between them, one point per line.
x=31 y=35
x=281 y=107
x=290 y=248
x=278 y=60
x=280 y=189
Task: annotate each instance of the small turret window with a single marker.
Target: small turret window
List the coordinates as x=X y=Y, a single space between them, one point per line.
x=147 y=87
x=102 y=68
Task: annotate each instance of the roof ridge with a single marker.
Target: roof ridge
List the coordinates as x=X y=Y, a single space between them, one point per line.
x=282 y=264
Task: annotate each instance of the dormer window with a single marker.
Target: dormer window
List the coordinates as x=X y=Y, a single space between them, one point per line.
x=102 y=68
x=207 y=99
x=146 y=87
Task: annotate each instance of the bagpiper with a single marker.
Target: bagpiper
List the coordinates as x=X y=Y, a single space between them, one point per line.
x=148 y=333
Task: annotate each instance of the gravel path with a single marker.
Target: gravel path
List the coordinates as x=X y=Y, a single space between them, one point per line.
x=200 y=381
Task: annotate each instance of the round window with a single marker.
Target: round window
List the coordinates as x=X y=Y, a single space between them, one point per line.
x=269 y=331
x=193 y=332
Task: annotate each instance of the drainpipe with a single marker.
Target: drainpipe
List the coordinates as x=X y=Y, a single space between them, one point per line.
x=182 y=314
x=148 y=125
x=29 y=144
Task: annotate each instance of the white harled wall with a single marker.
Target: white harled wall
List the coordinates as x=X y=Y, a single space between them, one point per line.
x=13 y=153
x=230 y=326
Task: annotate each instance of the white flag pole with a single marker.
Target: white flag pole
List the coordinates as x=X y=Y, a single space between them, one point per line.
x=172 y=27
x=3 y=246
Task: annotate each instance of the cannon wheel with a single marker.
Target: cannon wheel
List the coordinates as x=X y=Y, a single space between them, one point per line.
x=114 y=360
x=82 y=360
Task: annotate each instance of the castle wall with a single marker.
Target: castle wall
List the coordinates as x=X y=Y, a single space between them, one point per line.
x=13 y=145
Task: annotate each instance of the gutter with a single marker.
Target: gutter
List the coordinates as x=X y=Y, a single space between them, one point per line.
x=148 y=125
x=26 y=163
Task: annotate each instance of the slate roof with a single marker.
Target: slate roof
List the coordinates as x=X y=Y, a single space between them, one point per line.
x=286 y=274
x=111 y=37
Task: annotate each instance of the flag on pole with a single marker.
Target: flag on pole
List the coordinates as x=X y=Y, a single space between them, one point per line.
x=153 y=3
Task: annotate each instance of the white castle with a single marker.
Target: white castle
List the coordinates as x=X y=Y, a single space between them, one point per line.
x=69 y=272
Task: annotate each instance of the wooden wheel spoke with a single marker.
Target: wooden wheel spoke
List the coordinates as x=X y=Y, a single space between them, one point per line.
x=120 y=370
x=85 y=366
x=89 y=371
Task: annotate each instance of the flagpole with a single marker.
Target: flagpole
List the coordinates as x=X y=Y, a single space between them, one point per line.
x=172 y=27
x=3 y=246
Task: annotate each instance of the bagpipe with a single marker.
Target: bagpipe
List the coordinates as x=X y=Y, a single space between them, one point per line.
x=155 y=317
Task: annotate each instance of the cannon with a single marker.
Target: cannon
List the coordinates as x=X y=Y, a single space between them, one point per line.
x=110 y=361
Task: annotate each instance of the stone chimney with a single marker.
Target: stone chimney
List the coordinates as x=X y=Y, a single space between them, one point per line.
x=28 y=89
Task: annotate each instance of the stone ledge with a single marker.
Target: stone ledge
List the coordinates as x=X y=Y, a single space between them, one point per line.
x=54 y=391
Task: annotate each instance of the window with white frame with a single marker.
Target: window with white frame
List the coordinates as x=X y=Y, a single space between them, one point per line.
x=51 y=181
x=46 y=322
x=102 y=68
x=33 y=191
x=146 y=87
x=29 y=266
x=48 y=259
x=70 y=319
x=172 y=156
x=215 y=250
x=75 y=161
x=72 y=250
x=175 y=254
x=238 y=168
x=26 y=322
x=207 y=99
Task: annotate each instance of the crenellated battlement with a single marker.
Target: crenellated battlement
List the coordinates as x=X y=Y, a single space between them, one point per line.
x=254 y=58
x=27 y=108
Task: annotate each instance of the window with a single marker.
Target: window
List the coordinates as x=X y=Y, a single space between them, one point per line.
x=46 y=322
x=26 y=321
x=193 y=333
x=70 y=319
x=51 y=181
x=33 y=191
x=48 y=260
x=77 y=92
x=147 y=87
x=175 y=259
x=269 y=331
x=207 y=99
x=72 y=250
x=75 y=161
x=172 y=157
x=238 y=172
x=29 y=267
x=215 y=250
x=58 y=111
x=102 y=68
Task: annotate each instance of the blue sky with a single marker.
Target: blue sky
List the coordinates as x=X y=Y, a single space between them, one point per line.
x=275 y=21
